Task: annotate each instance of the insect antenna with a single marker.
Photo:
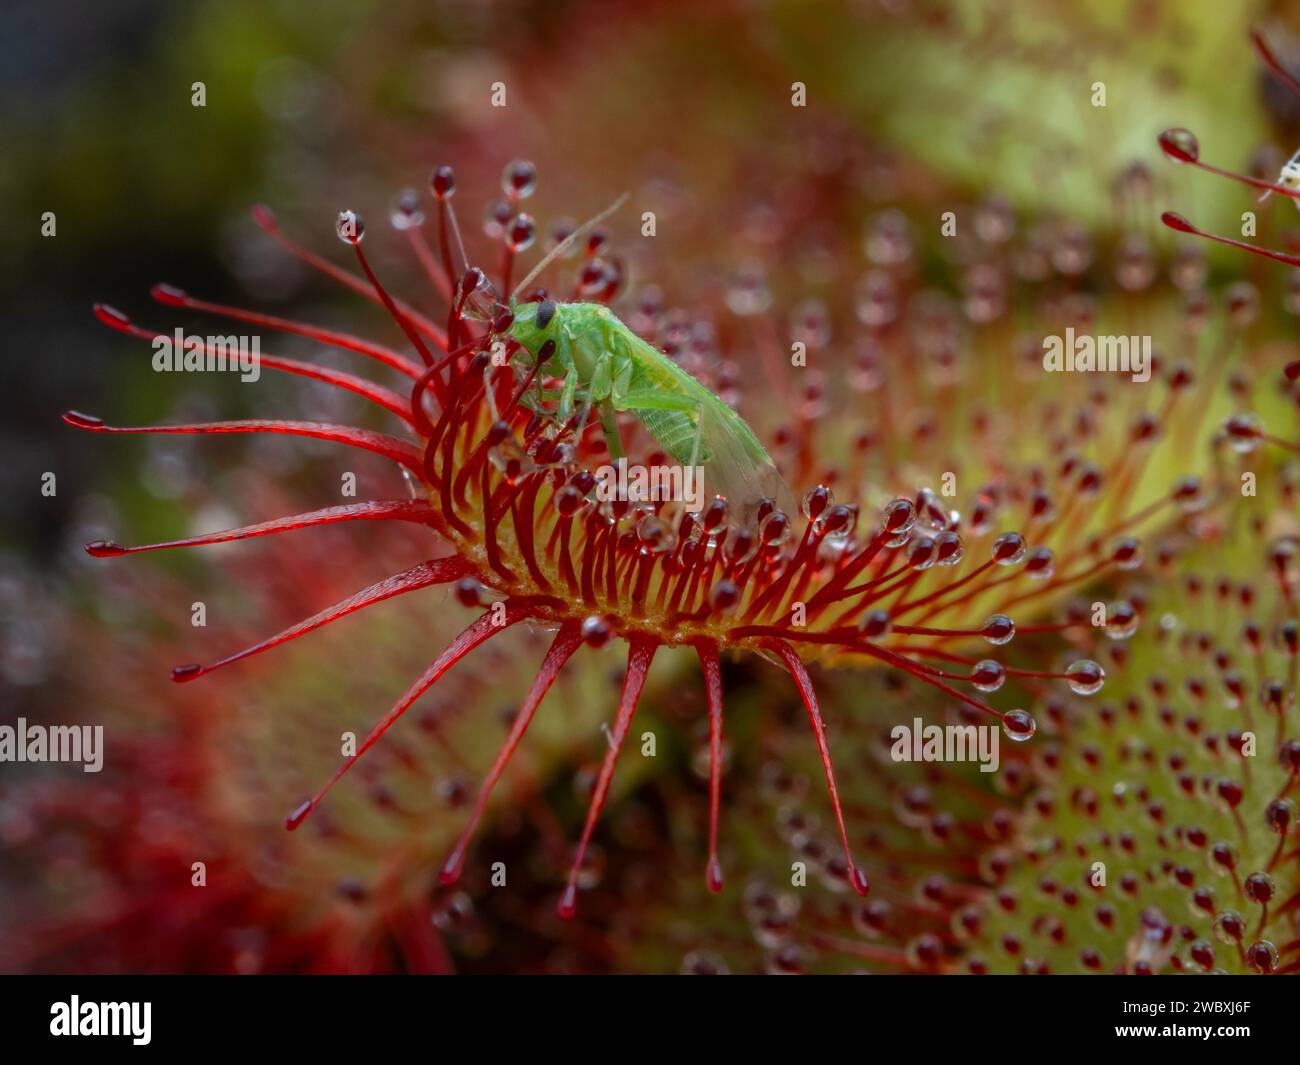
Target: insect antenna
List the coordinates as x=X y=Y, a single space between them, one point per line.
x=443 y=185
x=566 y=244
x=455 y=232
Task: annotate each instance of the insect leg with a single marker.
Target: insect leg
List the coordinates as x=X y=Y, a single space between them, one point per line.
x=609 y=422
x=673 y=420
x=601 y=385
x=600 y=392
x=655 y=401
x=567 y=394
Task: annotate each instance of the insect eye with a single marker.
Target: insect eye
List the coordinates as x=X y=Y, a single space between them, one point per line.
x=545 y=312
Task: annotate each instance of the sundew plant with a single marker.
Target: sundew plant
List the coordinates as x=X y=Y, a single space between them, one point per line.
x=835 y=512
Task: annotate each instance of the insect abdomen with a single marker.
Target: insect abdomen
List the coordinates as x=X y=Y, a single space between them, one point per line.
x=676 y=431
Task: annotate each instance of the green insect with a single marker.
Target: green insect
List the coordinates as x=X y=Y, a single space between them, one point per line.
x=606 y=369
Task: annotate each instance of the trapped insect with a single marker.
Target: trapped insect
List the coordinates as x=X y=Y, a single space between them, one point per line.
x=605 y=368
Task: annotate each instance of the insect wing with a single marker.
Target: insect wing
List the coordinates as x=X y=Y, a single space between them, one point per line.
x=735 y=471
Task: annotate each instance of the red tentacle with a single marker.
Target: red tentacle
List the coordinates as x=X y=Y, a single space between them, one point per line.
x=379 y=443
x=1266 y=53
x=377 y=509
x=349 y=382
x=804 y=683
x=432 y=270
x=376 y=393
x=266 y=221
x=566 y=642
x=641 y=652
x=480 y=631
x=434 y=571
x=1177 y=222
x=708 y=652
x=170 y=296
x=391 y=307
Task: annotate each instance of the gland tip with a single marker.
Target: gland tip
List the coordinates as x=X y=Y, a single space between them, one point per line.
x=82 y=421
x=568 y=904
x=112 y=317
x=104 y=549
x=451 y=869
x=443 y=183
x=1176 y=221
x=1180 y=145
x=715 y=876
x=169 y=295
x=182 y=674
x=859 y=881
x=264 y=217
x=298 y=815
x=350 y=228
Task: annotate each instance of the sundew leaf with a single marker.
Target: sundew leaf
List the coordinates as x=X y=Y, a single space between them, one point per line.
x=955 y=94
